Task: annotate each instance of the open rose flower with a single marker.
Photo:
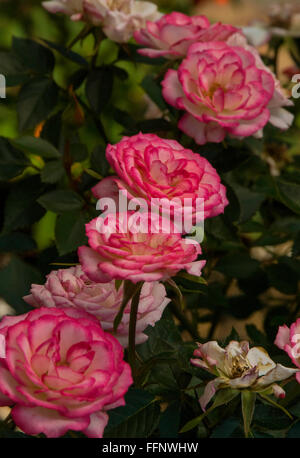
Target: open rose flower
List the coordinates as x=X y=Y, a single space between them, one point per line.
x=61 y=372
x=150 y=167
x=225 y=88
x=239 y=367
x=72 y=288
x=120 y=18
x=173 y=34
x=134 y=246
x=288 y=339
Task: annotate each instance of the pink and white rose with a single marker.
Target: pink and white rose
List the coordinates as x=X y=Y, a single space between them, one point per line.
x=225 y=88
x=61 y=372
x=130 y=246
x=238 y=367
x=72 y=288
x=119 y=19
x=173 y=34
x=288 y=339
x=150 y=167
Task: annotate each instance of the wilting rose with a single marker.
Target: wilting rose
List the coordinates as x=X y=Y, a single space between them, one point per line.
x=239 y=367
x=225 y=88
x=288 y=339
x=136 y=249
x=72 y=288
x=61 y=372
x=173 y=34
x=150 y=167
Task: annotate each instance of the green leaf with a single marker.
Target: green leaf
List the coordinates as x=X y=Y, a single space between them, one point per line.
x=225 y=429
x=99 y=86
x=223 y=396
x=36 y=146
x=193 y=278
x=138 y=418
x=270 y=418
x=33 y=55
x=61 y=201
x=237 y=265
x=283 y=278
x=15 y=282
x=53 y=172
x=153 y=90
x=248 y=406
x=296 y=246
x=71 y=55
x=170 y=420
x=12 y=161
x=256 y=336
x=289 y=194
x=16 y=242
x=294 y=431
x=99 y=162
x=70 y=232
x=21 y=207
x=37 y=99
x=12 y=69
x=234 y=335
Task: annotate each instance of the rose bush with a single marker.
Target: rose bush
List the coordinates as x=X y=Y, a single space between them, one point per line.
x=72 y=288
x=91 y=114
x=61 y=372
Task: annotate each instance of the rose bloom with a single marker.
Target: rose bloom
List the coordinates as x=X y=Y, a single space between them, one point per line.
x=288 y=339
x=239 y=367
x=61 y=372
x=173 y=34
x=119 y=18
x=225 y=88
x=150 y=167
x=72 y=288
x=127 y=246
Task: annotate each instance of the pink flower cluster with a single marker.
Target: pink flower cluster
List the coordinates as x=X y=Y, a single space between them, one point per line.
x=61 y=372
x=222 y=84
